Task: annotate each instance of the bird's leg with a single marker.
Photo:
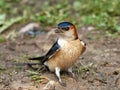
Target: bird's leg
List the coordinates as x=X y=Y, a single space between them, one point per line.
x=72 y=74
x=57 y=72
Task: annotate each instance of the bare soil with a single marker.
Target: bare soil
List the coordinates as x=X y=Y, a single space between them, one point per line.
x=97 y=69
x=100 y=63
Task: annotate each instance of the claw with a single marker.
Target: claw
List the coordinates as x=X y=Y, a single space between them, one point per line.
x=62 y=84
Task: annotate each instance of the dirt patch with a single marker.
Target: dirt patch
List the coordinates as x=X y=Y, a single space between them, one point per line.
x=102 y=54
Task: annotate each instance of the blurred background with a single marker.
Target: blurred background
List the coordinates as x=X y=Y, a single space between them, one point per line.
x=100 y=14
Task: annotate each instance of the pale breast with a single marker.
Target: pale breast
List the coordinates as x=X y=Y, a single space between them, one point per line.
x=67 y=56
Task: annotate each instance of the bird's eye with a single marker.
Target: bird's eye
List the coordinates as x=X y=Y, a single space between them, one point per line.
x=65 y=28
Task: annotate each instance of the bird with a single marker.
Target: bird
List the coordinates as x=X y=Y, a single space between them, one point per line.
x=64 y=52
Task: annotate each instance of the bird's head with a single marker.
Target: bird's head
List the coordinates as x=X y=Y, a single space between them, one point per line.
x=66 y=30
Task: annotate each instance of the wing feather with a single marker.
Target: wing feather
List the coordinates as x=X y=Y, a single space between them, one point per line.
x=49 y=54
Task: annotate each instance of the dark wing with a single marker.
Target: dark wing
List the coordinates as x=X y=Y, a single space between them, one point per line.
x=53 y=49
x=51 y=52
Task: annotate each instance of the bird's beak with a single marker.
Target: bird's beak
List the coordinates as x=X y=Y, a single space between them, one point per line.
x=58 y=30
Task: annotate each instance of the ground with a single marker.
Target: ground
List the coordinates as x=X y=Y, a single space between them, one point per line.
x=97 y=69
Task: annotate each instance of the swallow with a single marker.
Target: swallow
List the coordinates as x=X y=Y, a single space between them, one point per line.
x=64 y=52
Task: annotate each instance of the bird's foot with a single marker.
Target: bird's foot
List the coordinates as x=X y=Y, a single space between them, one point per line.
x=62 y=84
x=72 y=75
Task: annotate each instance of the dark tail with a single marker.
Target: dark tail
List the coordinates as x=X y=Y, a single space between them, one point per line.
x=37 y=58
x=41 y=59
